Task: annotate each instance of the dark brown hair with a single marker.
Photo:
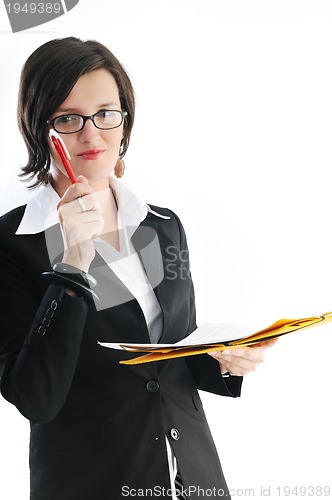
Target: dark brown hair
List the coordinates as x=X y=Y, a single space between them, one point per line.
x=47 y=78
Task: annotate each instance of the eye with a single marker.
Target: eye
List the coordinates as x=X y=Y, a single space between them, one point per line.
x=108 y=118
x=107 y=114
x=67 y=119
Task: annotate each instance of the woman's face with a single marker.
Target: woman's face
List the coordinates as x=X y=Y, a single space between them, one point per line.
x=94 y=152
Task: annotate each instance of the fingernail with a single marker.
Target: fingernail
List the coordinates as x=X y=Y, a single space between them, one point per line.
x=227 y=352
x=213 y=353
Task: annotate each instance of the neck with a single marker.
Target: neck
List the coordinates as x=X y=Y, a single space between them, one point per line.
x=109 y=209
x=110 y=215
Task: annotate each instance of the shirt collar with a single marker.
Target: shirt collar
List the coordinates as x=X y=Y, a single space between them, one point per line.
x=41 y=212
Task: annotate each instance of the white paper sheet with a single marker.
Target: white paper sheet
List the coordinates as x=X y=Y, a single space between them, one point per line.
x=207 y=333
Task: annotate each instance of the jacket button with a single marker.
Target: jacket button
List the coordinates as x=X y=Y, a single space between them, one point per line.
x=174 y=434
x=46 y=322
x=42 y=330
x=152 y=386
x=54 y=305
x=49 y=313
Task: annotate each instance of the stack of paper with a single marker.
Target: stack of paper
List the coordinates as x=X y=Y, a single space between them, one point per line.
x=211 y=337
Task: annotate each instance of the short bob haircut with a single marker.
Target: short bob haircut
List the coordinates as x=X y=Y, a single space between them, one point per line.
x=47 y=78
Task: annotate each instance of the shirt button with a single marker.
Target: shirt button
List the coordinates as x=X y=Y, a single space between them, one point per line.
x=174 y=434
x=152 y=386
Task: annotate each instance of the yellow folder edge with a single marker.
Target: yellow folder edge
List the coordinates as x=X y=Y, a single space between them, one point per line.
x=277 y=329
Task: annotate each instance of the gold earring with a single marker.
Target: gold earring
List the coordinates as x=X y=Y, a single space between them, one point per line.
x=119 y=168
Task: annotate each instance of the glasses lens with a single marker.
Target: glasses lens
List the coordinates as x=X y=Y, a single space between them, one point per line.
x=108 y=119
x=68 y=124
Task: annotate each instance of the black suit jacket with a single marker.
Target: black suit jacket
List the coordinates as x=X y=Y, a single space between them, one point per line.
x=97 y=427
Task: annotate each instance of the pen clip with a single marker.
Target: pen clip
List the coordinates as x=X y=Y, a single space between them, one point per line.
x=58 y=143
x=63 y=153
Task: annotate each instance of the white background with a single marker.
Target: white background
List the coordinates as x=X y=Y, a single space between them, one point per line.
x=233 y=132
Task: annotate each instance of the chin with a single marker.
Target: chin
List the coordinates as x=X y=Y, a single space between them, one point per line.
x=98 y=178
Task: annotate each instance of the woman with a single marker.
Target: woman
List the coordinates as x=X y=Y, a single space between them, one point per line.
x=89 y=262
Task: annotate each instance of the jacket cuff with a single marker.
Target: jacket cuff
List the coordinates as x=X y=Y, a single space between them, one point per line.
x=58 y=312
x=208 y=378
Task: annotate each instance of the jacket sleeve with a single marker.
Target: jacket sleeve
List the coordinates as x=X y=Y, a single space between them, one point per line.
x=205 y=369
x=40 y=339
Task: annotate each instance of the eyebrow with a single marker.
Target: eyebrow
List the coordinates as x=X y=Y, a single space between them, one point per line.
x=74 y=110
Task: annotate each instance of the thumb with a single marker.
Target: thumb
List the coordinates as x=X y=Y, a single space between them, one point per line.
x=82 y=180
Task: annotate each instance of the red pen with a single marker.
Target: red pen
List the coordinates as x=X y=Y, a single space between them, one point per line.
x=62 y=151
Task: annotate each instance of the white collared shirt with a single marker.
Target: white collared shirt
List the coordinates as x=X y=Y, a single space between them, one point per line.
x=41 y=214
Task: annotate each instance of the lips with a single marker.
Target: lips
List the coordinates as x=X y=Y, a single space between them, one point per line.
x=91 y=154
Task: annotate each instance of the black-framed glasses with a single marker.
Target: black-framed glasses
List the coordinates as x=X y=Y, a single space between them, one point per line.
x=104 y=120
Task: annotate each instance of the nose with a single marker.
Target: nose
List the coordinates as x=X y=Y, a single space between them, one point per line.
x=89 y=132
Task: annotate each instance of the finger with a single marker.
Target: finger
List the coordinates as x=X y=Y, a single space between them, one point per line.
x=79 y=205
x=241 y=358
x=83 y=233
x=266 y=343
x=80 y=221
x=87 y=203
x=241 y=363
x=223 y=369
x=240 y=366
x=242 y=353
x=82 y=180
x=90 y=216
x=79 y=189
x=236 y=366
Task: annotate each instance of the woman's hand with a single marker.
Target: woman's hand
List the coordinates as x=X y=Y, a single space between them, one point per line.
x=80 y=223
x=242 y=360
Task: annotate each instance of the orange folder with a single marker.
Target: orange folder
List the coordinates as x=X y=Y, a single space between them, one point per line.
x=277 y=329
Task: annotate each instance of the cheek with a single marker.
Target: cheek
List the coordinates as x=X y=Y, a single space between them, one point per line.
x=114 y=138
x=54 y=157
x=56 y=163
